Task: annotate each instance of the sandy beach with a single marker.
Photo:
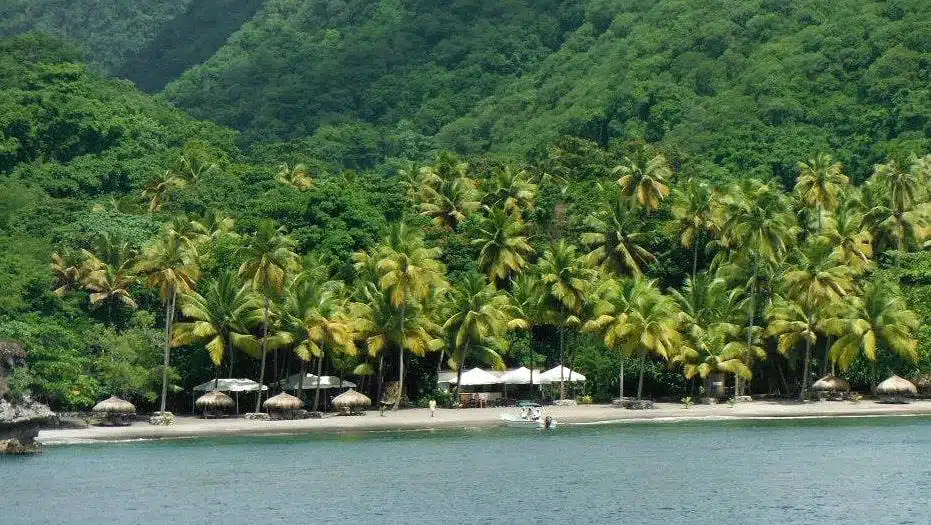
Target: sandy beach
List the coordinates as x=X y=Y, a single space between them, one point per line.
x=419 y=419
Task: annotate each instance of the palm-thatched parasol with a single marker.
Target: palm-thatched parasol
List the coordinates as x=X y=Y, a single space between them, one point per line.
x=895 y=390
x=350 y=400
x=832 y=387
x=924 y=385
x=116 y=411
x=283 y=405
x=214 y=403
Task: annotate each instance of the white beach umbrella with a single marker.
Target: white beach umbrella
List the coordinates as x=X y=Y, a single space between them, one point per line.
x=229 y=385
x=310 y=382
x=520 y=376
x=477 y=376
x=553 y=375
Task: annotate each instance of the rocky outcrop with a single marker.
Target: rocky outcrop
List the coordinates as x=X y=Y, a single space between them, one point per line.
x=20 y=419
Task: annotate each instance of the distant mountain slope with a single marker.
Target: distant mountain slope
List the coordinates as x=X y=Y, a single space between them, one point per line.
x=300 y=65
x=108 y=31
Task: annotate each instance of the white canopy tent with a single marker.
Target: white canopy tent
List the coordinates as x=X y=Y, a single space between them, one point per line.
x=476 y=377
x=227 y=385
x=521 y=376
x=310 y=382
x=553 y=375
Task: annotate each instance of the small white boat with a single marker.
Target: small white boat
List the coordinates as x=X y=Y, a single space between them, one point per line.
x=529 y=417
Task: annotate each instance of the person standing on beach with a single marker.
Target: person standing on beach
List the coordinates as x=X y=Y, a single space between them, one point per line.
x=432 y=407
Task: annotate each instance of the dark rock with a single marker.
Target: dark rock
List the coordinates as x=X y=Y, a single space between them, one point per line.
x=639 y=404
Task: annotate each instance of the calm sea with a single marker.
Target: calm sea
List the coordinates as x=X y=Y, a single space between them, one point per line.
x=855 y=471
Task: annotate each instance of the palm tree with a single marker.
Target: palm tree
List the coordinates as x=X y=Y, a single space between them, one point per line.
x=213 y=224
x=171 y=266
x=817 y=277
x=110 y=285
x=512 y=189
x=221 y=317
x=895 y=217
x=409 y=271
x=760 y=223
x=565 y=282
x=635 y=317
x=693 y=216
x=69 y=269
x=297 y=176
x=878 y=319
x=316 y=313
x=793 y=322
x=614 y=234
x=194 y=164
x=903 y=188
x=847 y=232
x=644 y=178
x=450 y=202
x=269 y=257
x=504 y=248
x=819 y=184
x=159 y=187
x=479 y=315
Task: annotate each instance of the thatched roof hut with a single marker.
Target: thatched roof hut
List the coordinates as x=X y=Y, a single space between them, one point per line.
x=831 y=383
x=351 y=399
x=115 y=405
x=214 y=402
x=896 y=386
x=283 y=406
x=924 y=384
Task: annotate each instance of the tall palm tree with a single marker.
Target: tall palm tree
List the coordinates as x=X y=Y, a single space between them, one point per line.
x=761 y=224
x=450 y=202
x=221 y=316
x=876 y=320
x=512 y=189
x=479 y=316
x=111 y=285
x=171 y=266
x=269 y=257
x=616 y=238
x=846 y=230
x=409 y=272
x=817 y=277
x=565 y=282
x=194 y=164
x=793 y=322
x=317 y=314
x=297 y=176
x=694 y=217
x=637 y=318
x=69 y=269
x=819 y=183
x=903 y=188
x=896 y=217
x=504 y=248
x=644 y=178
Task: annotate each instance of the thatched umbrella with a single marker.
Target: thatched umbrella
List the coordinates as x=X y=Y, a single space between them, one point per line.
x=833 y=386
x=351 y=400
x=895 y=390
x=214 y=403
x=116 y=411
x=282 y=406
x=924 y=385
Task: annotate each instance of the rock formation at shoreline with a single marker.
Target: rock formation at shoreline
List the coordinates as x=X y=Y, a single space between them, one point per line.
x=20 y=419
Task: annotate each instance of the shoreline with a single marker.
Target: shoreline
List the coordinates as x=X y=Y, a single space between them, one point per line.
x=417 y=419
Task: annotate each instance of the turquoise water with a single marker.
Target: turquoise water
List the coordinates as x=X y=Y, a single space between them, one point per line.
x=862 y=471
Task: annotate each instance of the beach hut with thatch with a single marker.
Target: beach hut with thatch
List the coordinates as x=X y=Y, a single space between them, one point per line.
x=214 y=404
x=895 y=390
x=283 y=406
x=831 y=387
x=923 y=384
x=351 y=402
x=115 y=411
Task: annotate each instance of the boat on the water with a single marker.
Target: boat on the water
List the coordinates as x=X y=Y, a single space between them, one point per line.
x=529 y=417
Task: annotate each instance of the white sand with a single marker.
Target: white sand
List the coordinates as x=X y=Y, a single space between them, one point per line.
x=419 y=419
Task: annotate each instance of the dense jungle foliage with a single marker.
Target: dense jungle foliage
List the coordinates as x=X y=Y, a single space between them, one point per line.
x=644 y=150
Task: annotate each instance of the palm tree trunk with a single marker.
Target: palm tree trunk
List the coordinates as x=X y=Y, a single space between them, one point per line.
x=258 y=400
x=750 y=316
x=458 y=380
x=801 y=396
x=562 y=343
x=229 y=342
x=694 y=259
x=381 y=363
x=643 y=364
x=621 y=376
x=827 y=350
x=397 y=401
x=317 y=390
x=169 y=316
x=300 y=380
x=439 y=364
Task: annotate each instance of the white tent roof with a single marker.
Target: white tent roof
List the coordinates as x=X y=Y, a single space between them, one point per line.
x=446 y=376
x=310 y=382
x=553 y=375
x=229 y=385
x=477 y=376
x=520 y=376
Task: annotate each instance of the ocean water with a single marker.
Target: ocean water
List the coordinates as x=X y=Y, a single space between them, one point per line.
x=854 y=471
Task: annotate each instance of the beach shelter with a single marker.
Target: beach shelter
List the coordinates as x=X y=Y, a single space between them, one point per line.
x=235 y=385
x=310 y=382
x=520 y=376
x=553 y=375
x=477 y=376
